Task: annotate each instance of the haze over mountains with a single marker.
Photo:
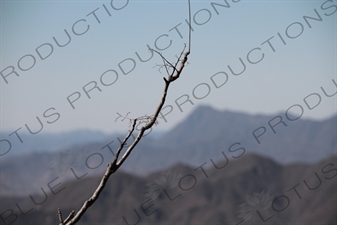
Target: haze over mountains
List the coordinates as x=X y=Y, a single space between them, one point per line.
x=205 y=134
x=49 y=142
x=225 y=182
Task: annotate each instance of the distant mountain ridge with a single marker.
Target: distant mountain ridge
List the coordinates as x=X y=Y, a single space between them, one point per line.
x=206 y=123
x=297 y=141
x=205 y=134
x=48 y=142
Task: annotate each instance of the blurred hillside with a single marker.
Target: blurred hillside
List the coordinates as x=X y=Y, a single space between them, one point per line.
x=249 y=190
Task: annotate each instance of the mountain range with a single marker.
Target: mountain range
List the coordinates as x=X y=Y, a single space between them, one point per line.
x=206 y=136
x=215 y=167
x=248 y=190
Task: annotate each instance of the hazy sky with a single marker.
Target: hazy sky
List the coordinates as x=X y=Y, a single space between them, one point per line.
x=291 y=57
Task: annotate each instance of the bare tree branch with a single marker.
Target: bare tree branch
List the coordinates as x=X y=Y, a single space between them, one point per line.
x=59 y=213
x=151 y=120
x=165 y=61
x=71 y=215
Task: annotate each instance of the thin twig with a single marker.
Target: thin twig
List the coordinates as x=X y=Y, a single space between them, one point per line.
x=71 y=215
x=59 y=213
x=165 y=61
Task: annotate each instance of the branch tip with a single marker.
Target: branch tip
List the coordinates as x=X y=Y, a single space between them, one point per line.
x=59 y=213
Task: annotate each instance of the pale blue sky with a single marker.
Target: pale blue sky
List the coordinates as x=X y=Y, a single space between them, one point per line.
x=283 y=78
